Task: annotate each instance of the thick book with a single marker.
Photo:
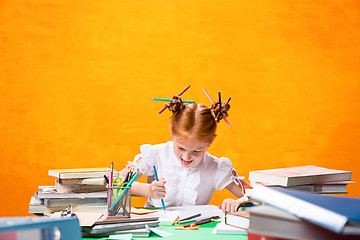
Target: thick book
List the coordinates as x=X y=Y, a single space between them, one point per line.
x=321 y=188
x=83 y=181
x=51 y=192
x=81 y=173
x=238 y=219
x=108 y=228
x=141 y=232
x=133 y=219
x=222 y=228
x=260 y=236
x=275 y=223
x=37 y=207
x=78 y=188
x=299 y=175
x=336 y=213
x=52 y=202
x=39 y=228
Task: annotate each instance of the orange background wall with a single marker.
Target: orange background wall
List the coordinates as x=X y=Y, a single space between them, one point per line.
x=76 y=78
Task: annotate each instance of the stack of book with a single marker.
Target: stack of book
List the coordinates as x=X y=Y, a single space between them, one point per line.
x=233 y=223
x=137 y=225
x=306 y=178
x=84 y=189
x=292 y=214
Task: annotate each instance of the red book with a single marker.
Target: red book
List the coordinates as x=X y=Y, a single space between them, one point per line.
x=259 y=236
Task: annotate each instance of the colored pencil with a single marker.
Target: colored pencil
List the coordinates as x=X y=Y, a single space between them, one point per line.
x=220 y=100
x=212 y=102
x=228 y=100
x=157 y=179
x=178 y=95
x=123 y=192
x=227 y=122
x=106 y=179
x=175 y=221
x=111 y=174
x=184 y=90
x=163 y=109
x=169 y=100
x=206 y=220
x=189 y=218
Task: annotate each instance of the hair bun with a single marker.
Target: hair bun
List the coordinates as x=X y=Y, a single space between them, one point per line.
x=220 y=112
x=176 y=104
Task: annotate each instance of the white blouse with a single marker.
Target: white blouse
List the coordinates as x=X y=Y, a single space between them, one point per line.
x=184 y=186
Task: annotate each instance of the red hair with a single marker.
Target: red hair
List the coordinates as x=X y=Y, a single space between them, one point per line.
x=194 y=120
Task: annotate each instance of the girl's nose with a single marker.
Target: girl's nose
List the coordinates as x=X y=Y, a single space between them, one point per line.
x=186 y=156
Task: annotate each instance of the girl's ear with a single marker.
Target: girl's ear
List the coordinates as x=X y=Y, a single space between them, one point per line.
x=212 y=140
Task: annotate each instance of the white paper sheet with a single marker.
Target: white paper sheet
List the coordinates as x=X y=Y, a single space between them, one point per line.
x=158 y=232
x=121 y=236
x=171 y=213
x=222 y=228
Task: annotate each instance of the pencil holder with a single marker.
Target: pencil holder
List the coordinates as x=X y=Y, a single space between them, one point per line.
x=119 y=201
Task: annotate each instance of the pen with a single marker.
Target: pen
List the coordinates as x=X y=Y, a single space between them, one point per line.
x=157 y=179
x=106 y=179
x=123 y=192
x=111 y=173
x=189 y=218
x=206 y=220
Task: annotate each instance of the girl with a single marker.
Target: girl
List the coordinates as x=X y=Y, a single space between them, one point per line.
x=188 y=174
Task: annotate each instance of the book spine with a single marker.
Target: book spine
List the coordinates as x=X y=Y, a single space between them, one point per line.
x=256 y=236
x=300 y=208
x=275 y=180
x=302 y=180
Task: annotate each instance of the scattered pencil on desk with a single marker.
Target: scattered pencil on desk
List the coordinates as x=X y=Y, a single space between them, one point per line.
x=181 y=227
x=175 y=220
x=206 y=220
x=187 y=219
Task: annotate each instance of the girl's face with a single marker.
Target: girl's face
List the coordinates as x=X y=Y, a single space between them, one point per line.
x=189 y=151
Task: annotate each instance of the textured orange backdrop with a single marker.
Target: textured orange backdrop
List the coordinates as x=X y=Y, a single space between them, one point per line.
x=76 y=78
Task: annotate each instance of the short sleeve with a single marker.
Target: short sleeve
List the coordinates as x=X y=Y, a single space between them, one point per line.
x=148 y=159
x=225 y=174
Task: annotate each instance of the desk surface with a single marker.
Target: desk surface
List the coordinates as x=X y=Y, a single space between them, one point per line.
x=203 y=233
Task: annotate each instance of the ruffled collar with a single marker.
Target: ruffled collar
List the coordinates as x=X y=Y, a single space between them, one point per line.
x=189 y=193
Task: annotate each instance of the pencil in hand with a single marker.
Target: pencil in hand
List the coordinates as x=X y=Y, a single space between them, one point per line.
x=157 y=179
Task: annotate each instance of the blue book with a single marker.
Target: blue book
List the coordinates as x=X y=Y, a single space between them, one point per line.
x=40 y=228
x=336 y=213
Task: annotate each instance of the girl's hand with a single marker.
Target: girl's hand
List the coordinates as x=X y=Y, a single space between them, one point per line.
x=230 y=205
x=157 y=189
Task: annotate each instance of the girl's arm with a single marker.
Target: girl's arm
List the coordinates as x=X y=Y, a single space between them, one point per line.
x=230 y=205
x=154 y=190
